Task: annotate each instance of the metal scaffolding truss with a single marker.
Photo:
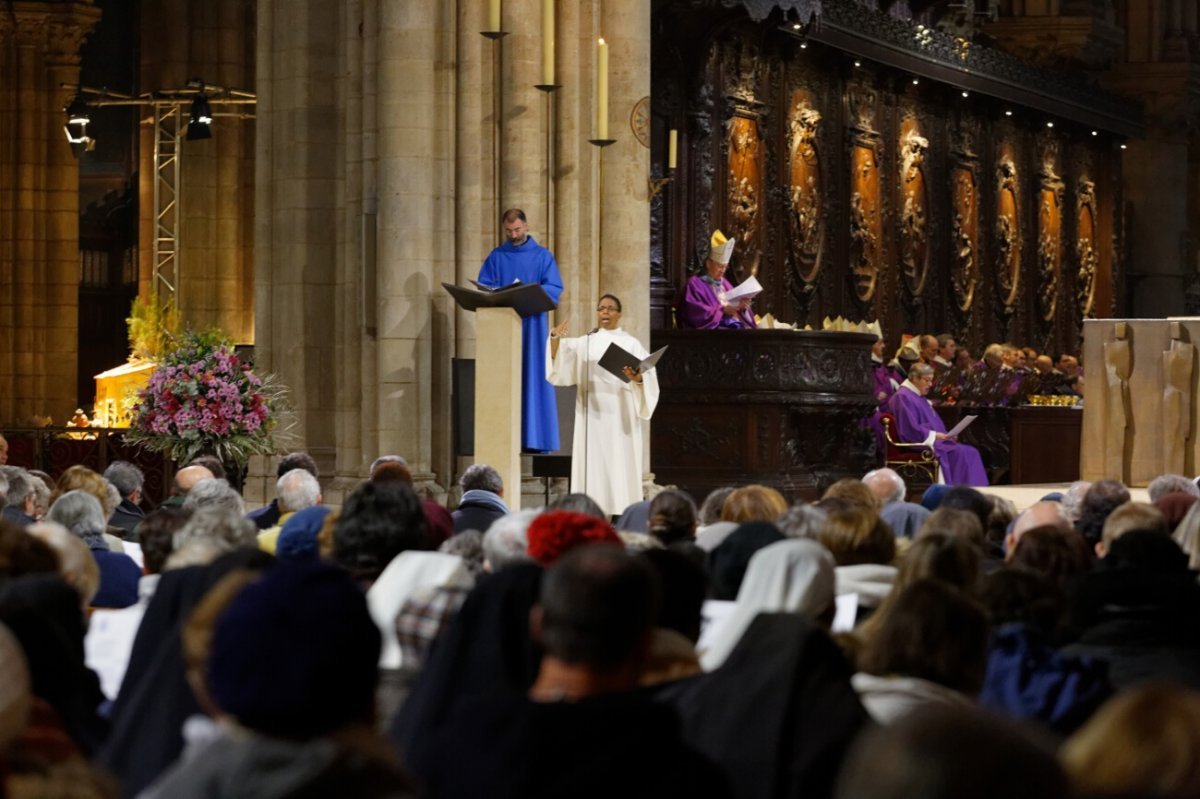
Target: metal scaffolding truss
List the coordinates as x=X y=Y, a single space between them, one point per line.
x=167 y=138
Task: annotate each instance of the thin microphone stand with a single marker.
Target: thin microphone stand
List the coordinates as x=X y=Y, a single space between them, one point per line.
x=587 y=399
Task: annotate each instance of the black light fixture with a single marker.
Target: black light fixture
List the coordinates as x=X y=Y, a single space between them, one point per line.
x=78 y=119
x=200 y=121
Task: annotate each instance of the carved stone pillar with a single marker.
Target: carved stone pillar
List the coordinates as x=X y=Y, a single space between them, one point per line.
x=39 y=208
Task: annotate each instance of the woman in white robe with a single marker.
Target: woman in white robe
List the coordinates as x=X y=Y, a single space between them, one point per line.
x=610 y=414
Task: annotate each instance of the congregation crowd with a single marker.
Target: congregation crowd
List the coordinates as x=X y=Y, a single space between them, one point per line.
x=859 y=646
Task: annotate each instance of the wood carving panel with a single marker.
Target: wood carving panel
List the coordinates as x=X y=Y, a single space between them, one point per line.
x=1049 y=252
x=914 y=208
x=743 y=197
x=965 y=231
x=1008 y=231
x=806 y=222
x=866 y=220
x=1085 y=246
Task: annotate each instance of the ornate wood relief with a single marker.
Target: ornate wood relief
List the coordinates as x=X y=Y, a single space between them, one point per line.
x=1008 y=231
x=1049 y=252
x=743 y=193
x=964 y=217
x=866 y=223
x=1085 y=245
x=806 y=223
x=914 y=209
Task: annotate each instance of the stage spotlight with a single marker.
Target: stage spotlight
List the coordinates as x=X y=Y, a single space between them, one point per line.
x=200 y=123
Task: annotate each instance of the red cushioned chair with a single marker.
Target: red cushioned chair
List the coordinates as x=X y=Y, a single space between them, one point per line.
x=917 y=460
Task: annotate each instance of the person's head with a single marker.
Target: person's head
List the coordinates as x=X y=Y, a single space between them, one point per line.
x=1142 y=742
x=217 y=493
x=1010 y=355
x=968 y=499
x=856 y=492
x=212 y=463
x=1128 y=518
x=377 y=523
x=296 y=490
x=79 y=512
x=481 y=477
x=720 y=250
x=516 y=227
x=672 y=516
x=189 y=477
x=21 y=553
x=1056 y=552
x=608 y=312
x=21 y=493
x=127 y=478
x=958 y=523
x=993 y=356
x=921 y=376
x=684 y=587
x=1003 y=514
x=946 y=347
x=1043 y=364
x=556 y=532
x=1170 y=484
x=929 y=347
x=877 y=347
x=1072 y=501
x=947 y=558
x=597 y=608
x=947 y=753
x=710 y=509
x=802 y=520
x=791 y=576
x=728 y=562
x=1175 y=506
x=886 y=484
x=857 y=535
x=301 y=630
x=297 y=460
x=753 y=503
x=1039 y=514
x=1024 y=597
x=578 y=503
x=156 y=534
x=506 y=542
x=1068 y=364
x=210 y=532
x=962 y=357
x=382 y=459
x=392 y=472
x=76 y=563
x=933 y=632
x=1187 y=535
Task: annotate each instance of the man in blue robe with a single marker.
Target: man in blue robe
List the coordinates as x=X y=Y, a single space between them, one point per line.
x=918 y=422
x=521 y=258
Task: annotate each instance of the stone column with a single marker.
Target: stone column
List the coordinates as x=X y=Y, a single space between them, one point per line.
x=624 y=258
x=211 y=41
x=415 y=220
x=39 y=209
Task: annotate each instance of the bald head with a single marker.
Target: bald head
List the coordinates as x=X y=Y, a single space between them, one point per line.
x=1039 y=514
x=187 y=477
x=886 y=485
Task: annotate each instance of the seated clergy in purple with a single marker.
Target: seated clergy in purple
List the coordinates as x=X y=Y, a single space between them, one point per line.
x=703 y=306
x=918 y=422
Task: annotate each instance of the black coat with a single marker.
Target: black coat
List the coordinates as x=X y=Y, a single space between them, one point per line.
x=475 y=516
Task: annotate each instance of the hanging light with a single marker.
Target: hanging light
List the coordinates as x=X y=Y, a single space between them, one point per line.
x=200 y=122
x=78 y=119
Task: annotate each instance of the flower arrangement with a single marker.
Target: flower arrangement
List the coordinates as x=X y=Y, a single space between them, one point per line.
x=202 y=399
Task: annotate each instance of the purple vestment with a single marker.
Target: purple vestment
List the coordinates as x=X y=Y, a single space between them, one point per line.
x=530 y=263
x=915 y=418
x=701 y=310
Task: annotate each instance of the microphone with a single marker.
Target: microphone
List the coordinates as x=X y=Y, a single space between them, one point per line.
x=593 y=330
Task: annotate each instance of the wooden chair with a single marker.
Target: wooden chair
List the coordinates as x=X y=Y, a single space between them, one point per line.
x=916 y=463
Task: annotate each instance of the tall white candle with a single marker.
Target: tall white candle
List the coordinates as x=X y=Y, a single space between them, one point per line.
x=601 y=89
x=548 y=42
x=672 y=148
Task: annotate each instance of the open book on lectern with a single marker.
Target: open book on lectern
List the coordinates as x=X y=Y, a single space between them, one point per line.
x=616 y=358
x=527 y=299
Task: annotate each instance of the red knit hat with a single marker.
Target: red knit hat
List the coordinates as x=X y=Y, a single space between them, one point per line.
x=553 y=534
